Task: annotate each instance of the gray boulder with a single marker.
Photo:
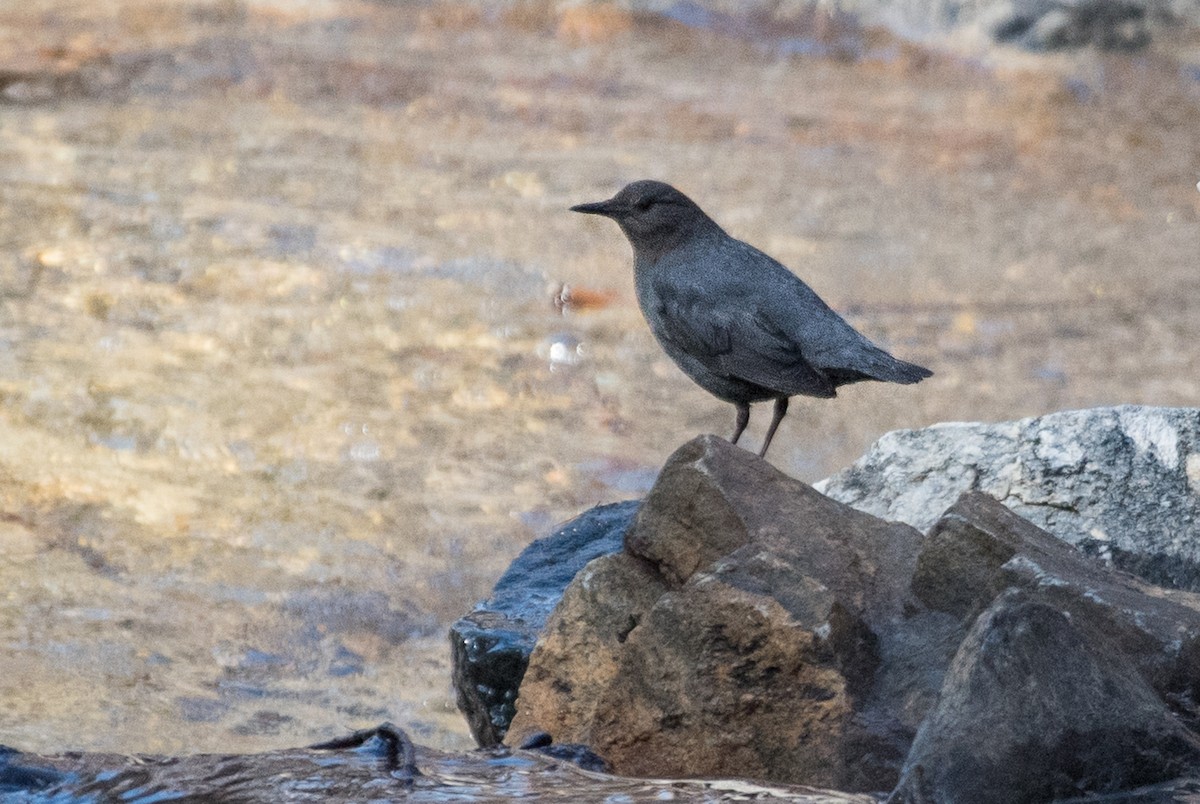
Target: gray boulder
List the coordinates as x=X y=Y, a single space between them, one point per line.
x=1122 y=483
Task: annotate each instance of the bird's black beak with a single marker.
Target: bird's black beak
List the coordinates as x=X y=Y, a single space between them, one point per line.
x=609 y=208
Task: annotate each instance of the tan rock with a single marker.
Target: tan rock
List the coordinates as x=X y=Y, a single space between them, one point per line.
x=731 y=637
x=610 y=595
x=719 y=681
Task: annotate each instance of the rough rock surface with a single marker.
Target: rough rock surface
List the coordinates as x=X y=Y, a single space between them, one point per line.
x=736 y=634
x=490 y=646
x=1122 y=482
x=1033 y=24
x=610 y=595
x=1034 y=709
x=979 y=549
x=753 y=627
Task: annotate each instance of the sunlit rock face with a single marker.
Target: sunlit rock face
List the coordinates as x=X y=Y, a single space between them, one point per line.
x=1122 y=483
x=741 y=632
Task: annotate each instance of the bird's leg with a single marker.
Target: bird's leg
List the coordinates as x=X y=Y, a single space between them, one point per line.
x=780 y=411
x=743 y=418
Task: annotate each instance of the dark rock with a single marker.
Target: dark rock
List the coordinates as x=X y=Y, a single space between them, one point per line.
x=386 y=742
x=1036 y=708
x=1057 y=24
x=18 y=775
x=490 y=646
x=1122 y=483
x=737 y=633
x=574 y=753
x=979 y=549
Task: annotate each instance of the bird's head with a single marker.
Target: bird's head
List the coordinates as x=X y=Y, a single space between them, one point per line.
x=653 y=215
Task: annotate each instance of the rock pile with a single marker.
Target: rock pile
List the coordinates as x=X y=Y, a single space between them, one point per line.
x=751 y=626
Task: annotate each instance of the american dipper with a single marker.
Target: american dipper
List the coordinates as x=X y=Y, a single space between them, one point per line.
x=737 y=322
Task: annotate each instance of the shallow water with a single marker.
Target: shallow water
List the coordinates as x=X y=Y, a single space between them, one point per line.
x=287 y=375
x=306 y=775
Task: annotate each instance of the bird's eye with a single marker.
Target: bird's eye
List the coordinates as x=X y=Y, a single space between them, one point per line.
x=644 y=203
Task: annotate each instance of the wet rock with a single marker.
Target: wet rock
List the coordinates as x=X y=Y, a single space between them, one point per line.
x=735 y=635
x=385 y=742
x=1122 y=482
x=1036 y=708
x=574 y=753
x=1057 y=24
x=490 y=646
x=18 y=775
x=979 y=549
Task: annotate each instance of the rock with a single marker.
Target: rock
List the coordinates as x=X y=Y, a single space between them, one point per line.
x=713 y=500
x=490 y=646
x=754 y=627
x=586 y=634
x=1032 y=24
x=736 y=635
x=18 y=776
x=1056 y=24
x=979 y=549
x=1037 y=709
x=720 y=681
x=574 y=753
x=1122 y=483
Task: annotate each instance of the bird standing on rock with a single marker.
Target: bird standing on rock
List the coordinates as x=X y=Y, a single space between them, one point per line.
x=740 y=324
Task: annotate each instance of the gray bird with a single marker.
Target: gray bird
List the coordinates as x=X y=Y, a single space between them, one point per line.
x=741 y=325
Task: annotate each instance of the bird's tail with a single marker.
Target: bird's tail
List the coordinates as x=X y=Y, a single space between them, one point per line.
x=904 y=373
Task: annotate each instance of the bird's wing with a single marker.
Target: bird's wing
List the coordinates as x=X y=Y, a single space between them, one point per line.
x=735 y=341
x=793 y=311
x=836 y=349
